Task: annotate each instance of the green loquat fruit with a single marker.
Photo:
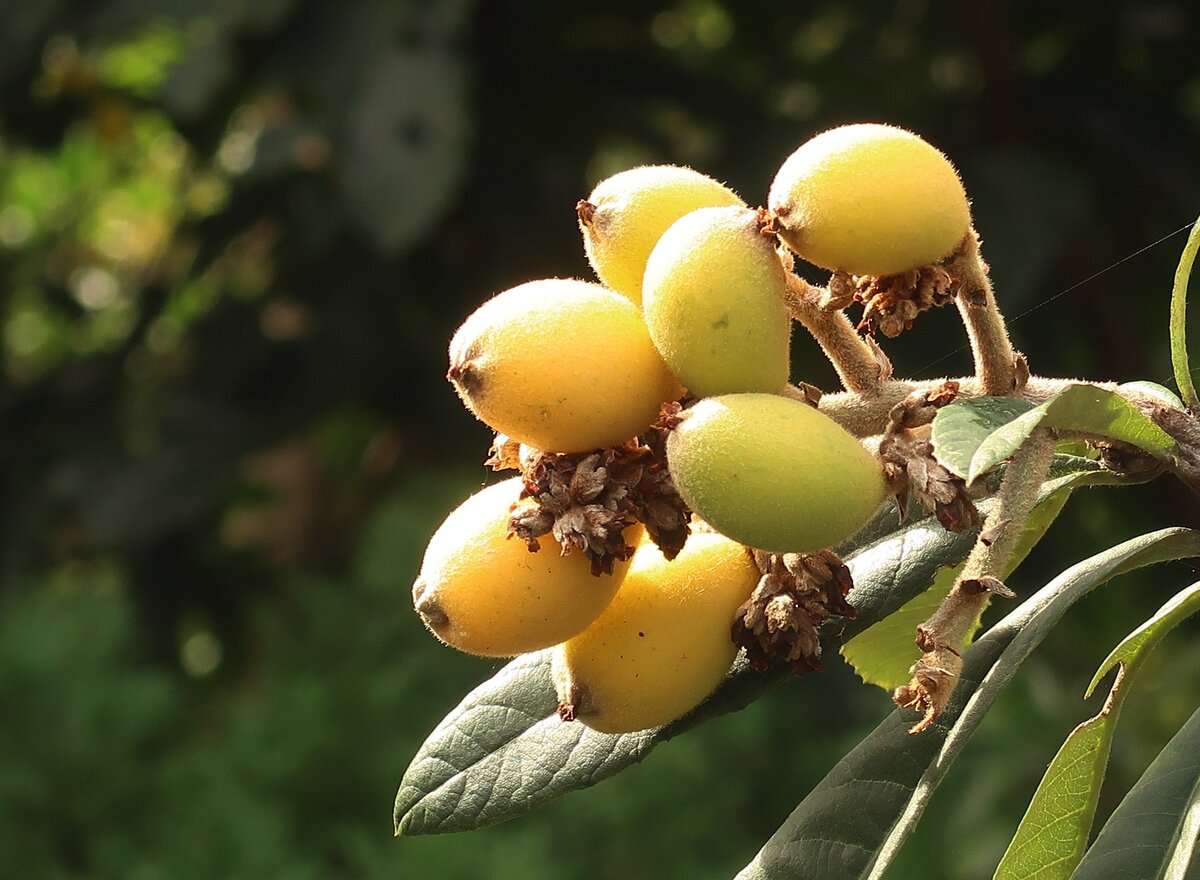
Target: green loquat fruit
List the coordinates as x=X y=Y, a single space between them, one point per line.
x=713 y=298
x=869 y=199
x=663 y=645
x=626 y=213
x=482 y=592
x=561 y=365
x=773 y=473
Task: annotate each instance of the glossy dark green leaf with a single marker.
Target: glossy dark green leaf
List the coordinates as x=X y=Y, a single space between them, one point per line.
x=1179 y=353
x=1153 y=832
x=503 y=750
x=853 y=823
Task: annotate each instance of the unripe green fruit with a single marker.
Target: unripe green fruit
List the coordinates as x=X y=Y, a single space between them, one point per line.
x=562 y=365
x=624 y=216
x=663 y=645
x=869 y=200
x=713 y=298
x=773 y=473
x=485 y=593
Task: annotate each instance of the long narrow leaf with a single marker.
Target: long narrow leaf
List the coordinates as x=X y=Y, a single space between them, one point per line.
x=1179 y=295
x=1053 y=834
x=853 y=823
x=1153 y=832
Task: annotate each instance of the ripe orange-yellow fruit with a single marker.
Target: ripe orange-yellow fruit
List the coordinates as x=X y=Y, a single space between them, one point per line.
x=624 y=216
x=485 y=593
x=869 y=200
x=713 y=298
x=561 y=365
x=773 y=473
x=663 y=645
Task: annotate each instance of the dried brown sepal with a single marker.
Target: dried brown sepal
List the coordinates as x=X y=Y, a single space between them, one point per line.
x=910 y=470
x=1127 y=459
x=586 y=501
x=892 y=302
x=796 y=594
x=504 y=454
x=987 y=584
x=1184 y=428
x=933 y=680
x=841 y=291
x=809 y=394
x=919 y=408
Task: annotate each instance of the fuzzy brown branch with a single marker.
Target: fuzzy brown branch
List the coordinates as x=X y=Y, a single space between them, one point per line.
x=861 y=367
x=943 y=635
x=995 y=359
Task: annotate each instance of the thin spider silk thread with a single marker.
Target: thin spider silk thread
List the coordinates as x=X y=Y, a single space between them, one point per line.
x=1073 y=287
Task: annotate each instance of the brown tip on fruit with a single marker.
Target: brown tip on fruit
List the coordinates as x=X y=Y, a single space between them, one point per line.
x=577 y=702
x=585 y=211
x=431 y=612
x=466 y=376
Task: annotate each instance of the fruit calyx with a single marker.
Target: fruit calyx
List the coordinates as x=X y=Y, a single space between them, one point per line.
x=912 y=471
x=797 y=593
x=586 y=501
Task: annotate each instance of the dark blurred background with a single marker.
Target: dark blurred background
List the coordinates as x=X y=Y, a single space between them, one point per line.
x=235 y=238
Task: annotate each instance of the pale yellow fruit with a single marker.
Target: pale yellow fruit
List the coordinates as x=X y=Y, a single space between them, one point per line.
x=485 y=593
x=713 y=298
x=562 y=365
x=773 y=473
x=624 y=216
x=663 y=645
x=869 y=200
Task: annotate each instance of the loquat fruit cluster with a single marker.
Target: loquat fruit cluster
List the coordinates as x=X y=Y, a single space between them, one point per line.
x=677 y=497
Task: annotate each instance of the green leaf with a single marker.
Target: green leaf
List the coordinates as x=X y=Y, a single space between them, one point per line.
x=1154 y=830
x=1054 y=832
x=1087 y=409
x=503 y=751
x=854 y=821
x=1179 y=354
x=960 y=427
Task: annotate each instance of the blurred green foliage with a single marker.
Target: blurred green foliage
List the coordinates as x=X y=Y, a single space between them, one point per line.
x=234 y=239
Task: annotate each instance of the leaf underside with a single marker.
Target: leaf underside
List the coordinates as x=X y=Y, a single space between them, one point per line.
x=853 y=822
x=503 y=751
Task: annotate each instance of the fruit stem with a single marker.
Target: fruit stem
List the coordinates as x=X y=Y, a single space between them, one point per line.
x=945 y=633
x=995 y=360
x=861 y=368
